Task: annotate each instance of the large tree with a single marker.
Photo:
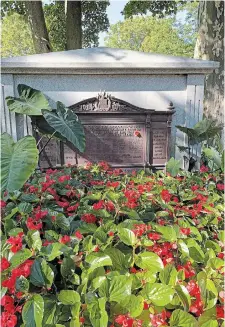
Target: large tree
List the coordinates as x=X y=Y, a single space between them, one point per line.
x=210 y=42
x=149 y=34
x=61 y=25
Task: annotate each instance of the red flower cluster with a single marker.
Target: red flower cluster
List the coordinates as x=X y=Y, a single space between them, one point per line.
x=166 y=196
x=164 y=251
x=160 y=319
x=35 y=223
x=204 y=169
x=22 y=270
x=154 y=236
x=197 y=304
x=89 y=218
x=188 y=270
x=185 y=231
x=220 y=187
x=113 y=184
x=64 y=178
x=140 y=229
x=132 y=198
x=4 y=264
x=16 y=242
x=126 y=321
x=64 y=239
x=103 y=165
x=73 y=208
x=78 y=235
x=8 y=317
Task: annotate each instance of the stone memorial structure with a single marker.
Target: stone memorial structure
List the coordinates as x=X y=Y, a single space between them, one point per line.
x=145 y=95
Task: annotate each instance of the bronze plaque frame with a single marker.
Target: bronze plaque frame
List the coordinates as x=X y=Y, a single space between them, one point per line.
x=108 y=113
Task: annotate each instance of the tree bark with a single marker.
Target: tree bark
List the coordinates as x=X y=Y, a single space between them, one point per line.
x=38 y=27
x=210 y=46
x=73 y=25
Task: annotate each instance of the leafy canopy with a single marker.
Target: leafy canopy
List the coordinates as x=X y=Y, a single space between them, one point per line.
x=149 y=34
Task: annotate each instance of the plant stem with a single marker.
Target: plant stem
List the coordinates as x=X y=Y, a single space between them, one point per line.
x=47 y=143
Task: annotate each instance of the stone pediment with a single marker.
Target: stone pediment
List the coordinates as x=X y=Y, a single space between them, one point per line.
x=105 y=103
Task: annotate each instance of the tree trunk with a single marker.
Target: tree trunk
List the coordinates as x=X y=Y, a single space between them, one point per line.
x=210 y=46
x=73 y=25
x=38 y=27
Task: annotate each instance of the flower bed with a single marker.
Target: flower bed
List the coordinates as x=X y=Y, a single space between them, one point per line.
x=95 y=247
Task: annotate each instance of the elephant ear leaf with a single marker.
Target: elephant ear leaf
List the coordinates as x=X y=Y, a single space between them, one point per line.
x=66 y=122
x=30 y=101
x=18 y=161
x=173 y=167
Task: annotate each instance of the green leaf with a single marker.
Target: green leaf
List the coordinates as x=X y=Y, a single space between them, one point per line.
x=190 y=132
x=66 y=122
x=34 y=240
x=67 y=268
x=212 y=294
x=22 y=284
x=135 y=305
x=18 y=161
x=215 y=263
x=208 y=318
x=75 y=311
x=180 y=318
x=20 y=257
x=118 y=258
x=62 y=222
x=184 y=296
x=150 y=261
x=168 y=275
x=173 y=167
x=69 y=297
x=167 y=232
x=120 y=288
x=195 y=251
x=213 y=155
x=127 y=236
x=98 y=259
x=130 y=213
x=212 y=245
x=11 y=214
x=33 y=311
x=52 y=251
x=158 y=294
x=202 y=283
x=30 y=101
x=25 y=207
x=49 y=310
x=15 y=231
x=41 y=274
x=183 y=248
x=96 y=309
x=223 y=161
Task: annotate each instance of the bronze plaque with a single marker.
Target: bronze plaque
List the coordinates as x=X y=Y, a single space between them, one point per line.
x=159 y=143
x=116 y=144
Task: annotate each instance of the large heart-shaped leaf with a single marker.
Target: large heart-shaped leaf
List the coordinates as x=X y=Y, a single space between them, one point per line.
x=30 y=101
x=66 y=122
x=173 y=167
x=18 y=161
